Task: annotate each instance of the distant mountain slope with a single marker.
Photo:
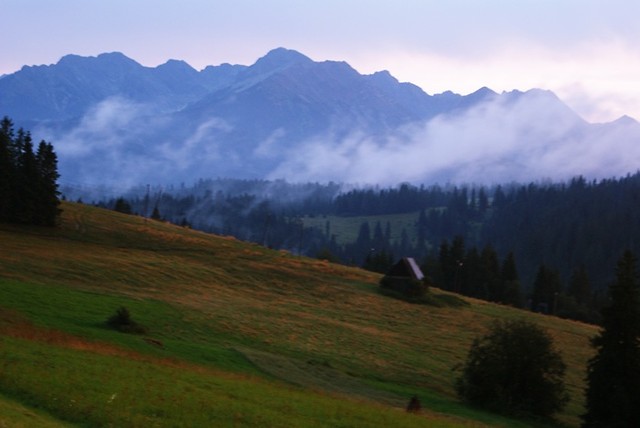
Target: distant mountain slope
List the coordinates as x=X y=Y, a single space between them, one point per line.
x=286 y=116
x=75 y=84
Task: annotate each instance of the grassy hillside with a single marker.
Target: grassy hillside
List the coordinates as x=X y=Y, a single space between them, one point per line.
x=239 y=335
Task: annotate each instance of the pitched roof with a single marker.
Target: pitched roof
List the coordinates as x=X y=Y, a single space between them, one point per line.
x=406 y=267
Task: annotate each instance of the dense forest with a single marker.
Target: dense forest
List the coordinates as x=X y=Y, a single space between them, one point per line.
x=558 y=234
x=28 y=178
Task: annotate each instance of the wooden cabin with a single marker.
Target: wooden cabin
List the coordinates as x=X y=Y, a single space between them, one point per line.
x=405 y=278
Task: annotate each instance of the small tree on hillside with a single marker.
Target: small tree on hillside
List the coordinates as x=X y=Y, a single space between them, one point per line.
x=122 y=206
x=121 y=320
x=514 y=369
x=613 y=376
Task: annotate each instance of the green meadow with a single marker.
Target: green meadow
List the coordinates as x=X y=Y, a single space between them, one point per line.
x=238 y=335
x=345 y=228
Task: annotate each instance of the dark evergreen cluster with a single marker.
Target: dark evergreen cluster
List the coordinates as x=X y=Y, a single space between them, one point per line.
x=480 y=274
x=28 y=178
x=613 y=393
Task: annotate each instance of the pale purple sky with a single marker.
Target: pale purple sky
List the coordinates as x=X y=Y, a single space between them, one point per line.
x=587 y=51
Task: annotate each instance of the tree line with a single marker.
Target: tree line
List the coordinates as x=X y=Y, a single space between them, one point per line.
x=480 y=273
x=563 y=226
x=28 y=178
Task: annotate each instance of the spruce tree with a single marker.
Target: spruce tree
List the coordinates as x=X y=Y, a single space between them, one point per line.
x=613 y=375
x=510 y=282
x=48 y=195
x=6 y=168
x=28 y=180
x=490 y=274
x=546 y=288
x=25 y=200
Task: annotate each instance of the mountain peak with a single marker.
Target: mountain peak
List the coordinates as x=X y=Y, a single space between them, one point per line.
x=111 y=58
x=625 y=120
x=384 y=76
x=484 y=92
x=278 y=59
x=175 y=65
x=286 y=55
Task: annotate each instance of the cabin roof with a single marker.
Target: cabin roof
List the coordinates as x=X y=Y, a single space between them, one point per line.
x=408 y=268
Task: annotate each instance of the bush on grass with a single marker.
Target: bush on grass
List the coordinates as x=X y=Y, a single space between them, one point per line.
x=122 y=321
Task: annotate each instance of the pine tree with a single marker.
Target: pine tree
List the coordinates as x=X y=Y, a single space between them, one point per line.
x=6 y=168
x=122 y=206
x=48 y=195
x=510 y=282
x=490 y=274
x=28 y=180
x=25 y=200
x=613 y=375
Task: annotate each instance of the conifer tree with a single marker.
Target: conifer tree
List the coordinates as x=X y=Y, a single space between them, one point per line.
x=48 y=195
x=510 y=282
x=490 y=274
x=28 y=180
x=613 y=375
x=155 y=214
x=546 y=288
x=6 y=168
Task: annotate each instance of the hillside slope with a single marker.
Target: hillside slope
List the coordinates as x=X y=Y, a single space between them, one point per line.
x=238 y=334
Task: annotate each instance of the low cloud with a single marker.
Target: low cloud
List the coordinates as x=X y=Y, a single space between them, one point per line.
x=203 y=145
x=513 y=137
x=104 y=123
x=526 y=138
x=107 y=145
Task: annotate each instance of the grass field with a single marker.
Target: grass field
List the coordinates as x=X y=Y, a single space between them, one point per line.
x=239 y=335
x=346 y=229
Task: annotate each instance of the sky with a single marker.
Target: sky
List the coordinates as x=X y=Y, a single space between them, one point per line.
x=586 y=51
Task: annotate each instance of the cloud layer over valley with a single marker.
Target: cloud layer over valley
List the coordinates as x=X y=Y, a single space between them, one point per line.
x=288 y=117
x=533 y=138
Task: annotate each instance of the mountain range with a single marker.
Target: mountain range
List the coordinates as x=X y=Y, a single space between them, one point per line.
x=116 y=122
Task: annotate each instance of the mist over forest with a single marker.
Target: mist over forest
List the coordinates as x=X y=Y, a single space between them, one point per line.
x=561 y=226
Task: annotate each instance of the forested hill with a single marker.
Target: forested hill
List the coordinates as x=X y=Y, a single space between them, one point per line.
x=561 y=225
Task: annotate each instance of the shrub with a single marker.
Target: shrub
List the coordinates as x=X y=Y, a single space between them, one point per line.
x=123 y=322
x=514 y=369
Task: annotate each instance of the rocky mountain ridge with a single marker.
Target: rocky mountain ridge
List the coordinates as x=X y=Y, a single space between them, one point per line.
x=115 y=121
